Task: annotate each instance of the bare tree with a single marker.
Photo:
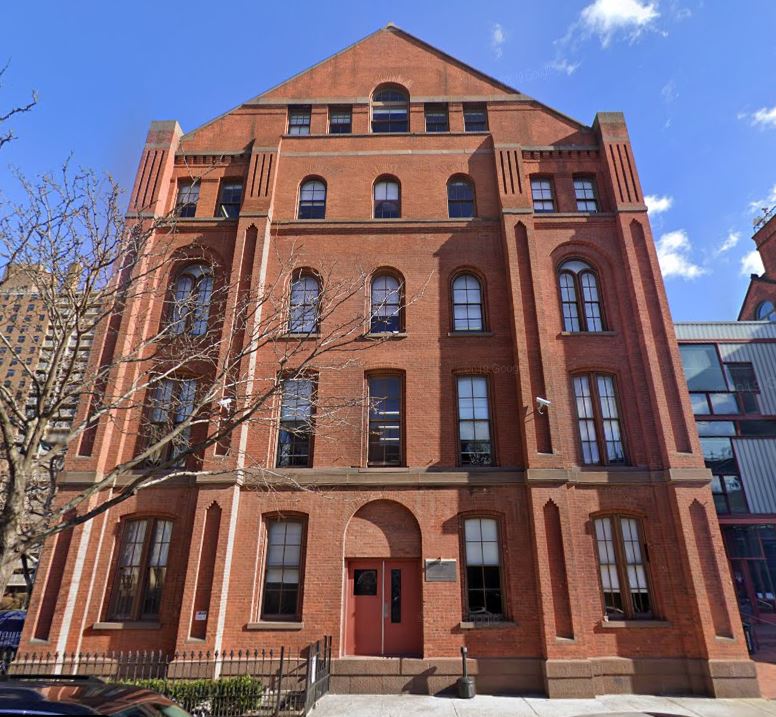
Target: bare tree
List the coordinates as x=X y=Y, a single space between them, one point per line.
x=194 y=362
x=6 y=135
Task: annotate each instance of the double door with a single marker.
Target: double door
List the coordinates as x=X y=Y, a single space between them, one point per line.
x=383 y=608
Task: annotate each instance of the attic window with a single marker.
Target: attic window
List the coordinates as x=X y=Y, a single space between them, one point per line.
x=475 y=117
x=299 y=119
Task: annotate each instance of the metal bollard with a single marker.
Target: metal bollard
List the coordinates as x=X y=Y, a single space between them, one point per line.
x=465 y=684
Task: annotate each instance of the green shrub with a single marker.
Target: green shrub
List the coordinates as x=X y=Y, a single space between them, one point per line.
x=225 y=696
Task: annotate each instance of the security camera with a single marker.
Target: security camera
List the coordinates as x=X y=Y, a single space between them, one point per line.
x=542 y=404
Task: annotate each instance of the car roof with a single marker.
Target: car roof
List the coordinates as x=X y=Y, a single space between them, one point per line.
x=71 y=695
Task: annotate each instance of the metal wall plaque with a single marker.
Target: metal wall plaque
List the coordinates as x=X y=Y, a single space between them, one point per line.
x=440 y=571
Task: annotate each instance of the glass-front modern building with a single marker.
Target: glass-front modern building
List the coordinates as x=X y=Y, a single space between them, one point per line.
x=730 y=369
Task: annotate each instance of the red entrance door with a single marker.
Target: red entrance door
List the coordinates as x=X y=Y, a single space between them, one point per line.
x=383 y=608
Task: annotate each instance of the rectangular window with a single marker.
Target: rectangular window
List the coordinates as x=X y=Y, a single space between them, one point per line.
x=295 y=435
x=542 y=194
x=729 y=496
x=741 y=379
x=186 y=202
x=282 y=572
x=622 y=569
x=141 y=570
x=340 y=119
x=437 y=117
x=475 y=447
x=475 y=117
x=484 y=600
x=584 y=190
x=299 y=119
x=385 y=421
x=702 y=367
x=230 y=200
x=171 y=404
x=598 y=419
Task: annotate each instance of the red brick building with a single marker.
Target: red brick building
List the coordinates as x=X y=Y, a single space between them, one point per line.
x=570 y=542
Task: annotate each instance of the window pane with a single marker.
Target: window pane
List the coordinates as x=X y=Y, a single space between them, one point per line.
x=734 y=489
x=474 y=421
x=475 y=118
x=281 y=579
x=541 y=193
x=467 y=304
x=340 y=121
x=385 y=420
x=436 y=118
x=568 y=296
x=724 y=403
x=610 y=582
x=460 y=199
x=700 y=405
x=305 y=292
x=702 y=367
x=295 y=432
x=386 y=304
x=718 y=454
x=483 y=574
x=312 y=200
x=299 y=120
x=584 y=189
x=188 y=196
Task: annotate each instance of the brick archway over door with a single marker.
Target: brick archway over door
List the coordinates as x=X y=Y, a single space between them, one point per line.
x=383 y=529
x=383 y=607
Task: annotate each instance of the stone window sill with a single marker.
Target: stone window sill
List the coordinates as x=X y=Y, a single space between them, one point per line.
x=467 y=625
x=129 y=625
x=588 y=333
x=625 y=624
x=464 y=334
x=386 y=335
x=274 y=625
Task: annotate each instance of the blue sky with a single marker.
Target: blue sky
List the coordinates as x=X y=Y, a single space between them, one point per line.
x=695 y=79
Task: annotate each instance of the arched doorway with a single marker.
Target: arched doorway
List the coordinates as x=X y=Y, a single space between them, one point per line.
x=383 y=606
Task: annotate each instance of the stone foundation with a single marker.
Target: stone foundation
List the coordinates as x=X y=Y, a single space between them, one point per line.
x=553 y=678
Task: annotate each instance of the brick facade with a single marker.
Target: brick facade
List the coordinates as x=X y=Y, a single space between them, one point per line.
x=553 y=635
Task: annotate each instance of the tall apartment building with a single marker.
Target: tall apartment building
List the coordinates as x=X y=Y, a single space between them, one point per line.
x=526 y=480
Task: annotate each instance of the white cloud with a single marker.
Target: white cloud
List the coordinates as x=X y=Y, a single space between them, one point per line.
x=497 y=39
x=765 y=117
x=732 y=239
x=669 y=92
x=607 y=18
x=751 y=263
x=673 y=252
x=765 y=203
x=657 y=204
x=562 y=65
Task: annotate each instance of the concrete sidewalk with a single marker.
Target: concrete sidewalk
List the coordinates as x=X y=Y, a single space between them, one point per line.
x=489 y=706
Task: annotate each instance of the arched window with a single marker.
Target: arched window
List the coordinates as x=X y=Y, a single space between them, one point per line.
x=580 y=299
x=765 y=312
x=387 y=196
x=467 y=304
x=303 y=310
x=191 y=301
x=390 y=110
x=312 y=199
x=460 y=198
x=386 y=312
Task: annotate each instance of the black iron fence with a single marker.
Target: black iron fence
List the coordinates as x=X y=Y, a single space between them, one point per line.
x=230 y=683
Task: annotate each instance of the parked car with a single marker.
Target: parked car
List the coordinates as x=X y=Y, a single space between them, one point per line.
x=11 y=625
x=60 y=695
